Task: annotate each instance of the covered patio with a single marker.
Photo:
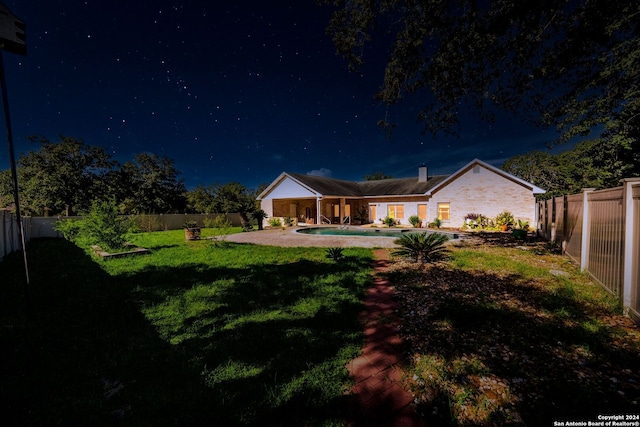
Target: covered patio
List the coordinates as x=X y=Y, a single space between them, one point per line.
x=320 y=210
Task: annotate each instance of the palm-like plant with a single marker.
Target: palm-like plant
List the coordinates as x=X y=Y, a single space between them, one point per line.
x=336 y=254
x=425 y=247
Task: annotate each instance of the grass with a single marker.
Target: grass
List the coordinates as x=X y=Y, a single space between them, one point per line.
x=195 y=333
x=217 y=333
x=493 y=338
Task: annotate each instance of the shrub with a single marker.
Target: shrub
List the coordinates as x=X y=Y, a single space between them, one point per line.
x=190 y=224
x=505 y=218
x=336 y=254
x=221 y=227
x=389 y=222
x=70 y=228
x=102 y=226
x=425 y=247
x=219 y=221
x=437 y=223
x=275 y=222
x=105 y=227
x=476 y=221
x=414 y=220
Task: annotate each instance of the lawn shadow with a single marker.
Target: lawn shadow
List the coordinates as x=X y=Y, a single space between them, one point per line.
x=86 y=355
x=189 y=345
x=269 y=341
x=500 y=349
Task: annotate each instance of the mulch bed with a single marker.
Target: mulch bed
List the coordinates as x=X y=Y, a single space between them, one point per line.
x=491 y=348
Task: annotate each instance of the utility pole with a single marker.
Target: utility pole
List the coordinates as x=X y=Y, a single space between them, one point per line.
x=13 y=39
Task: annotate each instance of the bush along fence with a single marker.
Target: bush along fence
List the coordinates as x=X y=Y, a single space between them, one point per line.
x=601 y=231
x=44 y=227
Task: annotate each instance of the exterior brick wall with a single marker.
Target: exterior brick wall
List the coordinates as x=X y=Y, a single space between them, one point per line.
x=476 y=190
x=486 y=193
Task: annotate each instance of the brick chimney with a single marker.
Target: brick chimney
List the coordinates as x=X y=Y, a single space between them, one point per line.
x=422 y=173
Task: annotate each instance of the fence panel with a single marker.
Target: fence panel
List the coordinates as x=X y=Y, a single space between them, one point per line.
x=549 y=218
x=558 y=220
x=573 y=226
x=176 y=221
x=42 y=227
x=606 y=246
x=635 y=289
x=544 y=215
x=9 y=240
x=39 y=227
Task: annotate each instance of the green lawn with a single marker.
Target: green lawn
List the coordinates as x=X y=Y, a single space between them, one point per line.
x=204 y=333
x=194 y=333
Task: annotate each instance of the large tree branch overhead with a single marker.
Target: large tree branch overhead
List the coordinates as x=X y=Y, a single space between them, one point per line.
x=571 y=64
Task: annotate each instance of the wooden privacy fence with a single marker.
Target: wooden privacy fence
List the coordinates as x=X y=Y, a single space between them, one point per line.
x=38 y=227
x=601 y=231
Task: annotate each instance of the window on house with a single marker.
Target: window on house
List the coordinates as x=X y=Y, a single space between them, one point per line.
x=422 y=211
x=444 y=211
x=395 y=211
x=373 y=213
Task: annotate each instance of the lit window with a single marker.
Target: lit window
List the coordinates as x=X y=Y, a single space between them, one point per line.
x=395 y=211
x=444 y=211
x=373 y=213
x=422 y=211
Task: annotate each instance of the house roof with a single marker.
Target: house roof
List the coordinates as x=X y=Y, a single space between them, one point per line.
x=386 y=187
x=328 y=186
x=383 y=187
x=399 y=186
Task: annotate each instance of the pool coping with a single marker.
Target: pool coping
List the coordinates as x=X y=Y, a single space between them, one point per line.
x=289 y=237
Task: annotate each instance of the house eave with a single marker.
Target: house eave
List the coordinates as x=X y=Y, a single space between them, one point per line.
x=394 y=196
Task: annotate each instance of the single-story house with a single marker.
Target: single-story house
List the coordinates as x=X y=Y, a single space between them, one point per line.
x=476 y=188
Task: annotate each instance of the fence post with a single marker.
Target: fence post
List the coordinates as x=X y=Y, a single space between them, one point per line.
x=586 y=229
x=630 y=236
x=554 y=214
x=565 y=222
x=3 y=242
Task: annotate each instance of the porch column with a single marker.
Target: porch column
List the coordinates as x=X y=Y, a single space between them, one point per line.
x=342 y=208
x=318 y=210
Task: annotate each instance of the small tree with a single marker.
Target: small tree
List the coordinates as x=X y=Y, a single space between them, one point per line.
x=102 y=226
x=221 y=228
x=105 y=227
x=259 y=215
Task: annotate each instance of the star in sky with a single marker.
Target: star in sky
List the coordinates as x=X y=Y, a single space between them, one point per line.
x=234 y=91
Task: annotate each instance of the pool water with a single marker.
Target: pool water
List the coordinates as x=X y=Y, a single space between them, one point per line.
x=369 y=232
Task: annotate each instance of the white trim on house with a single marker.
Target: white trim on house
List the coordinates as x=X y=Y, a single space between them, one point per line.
x=491 y=191
x=282 y=178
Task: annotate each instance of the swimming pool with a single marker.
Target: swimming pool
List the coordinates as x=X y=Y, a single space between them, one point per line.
x=367 y=232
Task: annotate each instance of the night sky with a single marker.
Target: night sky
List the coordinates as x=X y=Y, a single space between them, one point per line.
x=232 y=91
